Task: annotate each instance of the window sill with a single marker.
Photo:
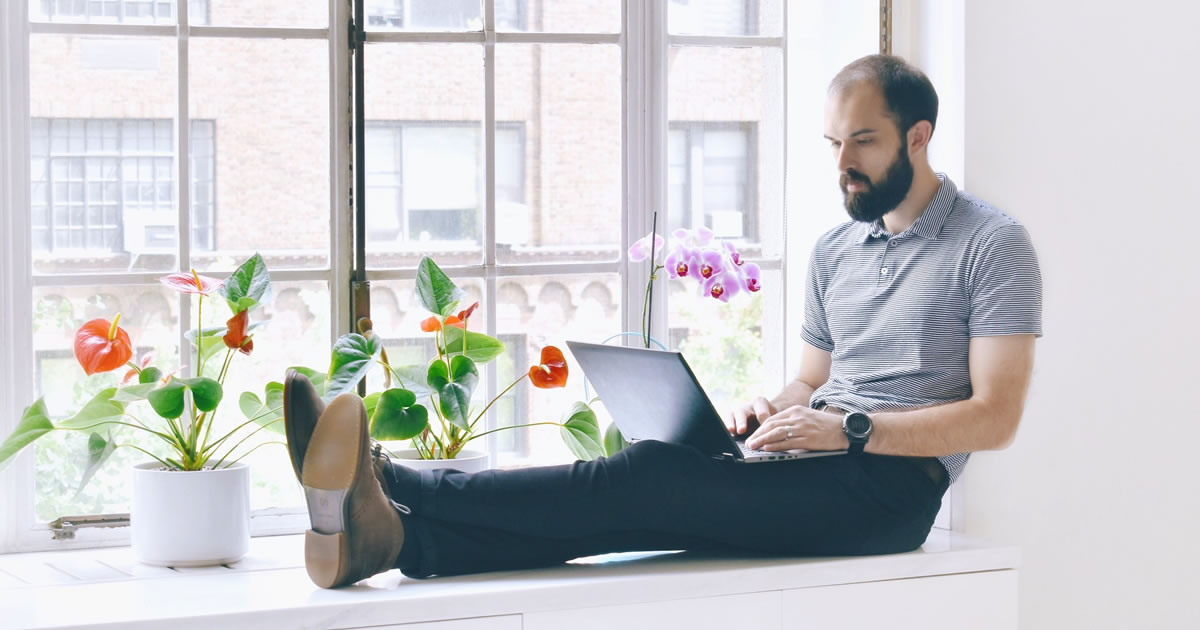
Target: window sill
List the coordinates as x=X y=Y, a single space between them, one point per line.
x=106 y=588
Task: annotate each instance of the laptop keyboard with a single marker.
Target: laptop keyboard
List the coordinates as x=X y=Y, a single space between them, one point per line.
x=746 y=450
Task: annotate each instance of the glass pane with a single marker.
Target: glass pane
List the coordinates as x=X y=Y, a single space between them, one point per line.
x=424 y=15
x=262 y=109
x=725 y=17
x=560 y=197
x=114 y=11
x=102 y=112
x=727 y=344
x=150 y=316
x=292 y=329
x=725 y=149
x=533 y=312
x=424 y=154
x=290 y=13
x=560 y=16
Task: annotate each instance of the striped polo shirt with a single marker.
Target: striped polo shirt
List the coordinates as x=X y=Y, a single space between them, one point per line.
x=897 y=311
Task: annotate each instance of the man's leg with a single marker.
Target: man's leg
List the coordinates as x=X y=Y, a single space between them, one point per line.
x=655 y=495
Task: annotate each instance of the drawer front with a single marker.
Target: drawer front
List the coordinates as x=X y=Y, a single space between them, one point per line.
x=752 y=610
x=979 y=601
x=507 y=622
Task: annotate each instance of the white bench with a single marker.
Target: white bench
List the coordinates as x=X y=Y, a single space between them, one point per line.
x=951 y=582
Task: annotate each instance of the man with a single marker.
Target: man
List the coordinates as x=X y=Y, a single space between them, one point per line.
x=919 y=326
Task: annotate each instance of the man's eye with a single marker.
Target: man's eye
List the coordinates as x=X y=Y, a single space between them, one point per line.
x=865 y=141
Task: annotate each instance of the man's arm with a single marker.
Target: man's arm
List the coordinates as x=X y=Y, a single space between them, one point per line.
x=814 y=371
x=1000 y=368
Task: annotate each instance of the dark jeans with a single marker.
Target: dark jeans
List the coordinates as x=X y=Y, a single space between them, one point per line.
x=659 y=496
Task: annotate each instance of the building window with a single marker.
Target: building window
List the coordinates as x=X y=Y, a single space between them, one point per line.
x=439 y=196
x=713 y=17
x=712 y=177
x=107 y=186
x=443 y=15
x=120 y=11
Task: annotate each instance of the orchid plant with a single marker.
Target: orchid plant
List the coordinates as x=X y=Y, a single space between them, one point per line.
x=186 y=407
x=716 y=265
x=431 y=404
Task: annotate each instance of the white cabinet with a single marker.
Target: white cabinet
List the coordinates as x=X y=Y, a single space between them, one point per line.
x=979 y=601
x=510 y=622
x=751 y=610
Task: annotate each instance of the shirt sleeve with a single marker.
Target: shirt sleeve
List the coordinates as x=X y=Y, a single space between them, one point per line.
x=815 y=330
x=1006 y=286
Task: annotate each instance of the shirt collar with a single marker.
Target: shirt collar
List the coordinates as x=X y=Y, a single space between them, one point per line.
x=929 y=224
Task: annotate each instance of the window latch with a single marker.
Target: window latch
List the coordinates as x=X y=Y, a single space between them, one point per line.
x=64 y=527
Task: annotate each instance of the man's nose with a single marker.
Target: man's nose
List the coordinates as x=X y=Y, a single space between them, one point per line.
x=846 y=159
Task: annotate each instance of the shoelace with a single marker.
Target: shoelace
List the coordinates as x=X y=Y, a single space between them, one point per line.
x=377 y=455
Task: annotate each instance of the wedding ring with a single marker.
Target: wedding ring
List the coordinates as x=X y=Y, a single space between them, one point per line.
x=789 y=433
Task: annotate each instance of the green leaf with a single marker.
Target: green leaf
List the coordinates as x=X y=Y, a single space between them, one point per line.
x=150 y=375
x=35 y=423
x=480 y=347
x=206 y=392
x=353 y=357
x=248 y=286
x=397 y=416
x=133 y=393
x=167 y=400
x=371 y=402
x=101 y=409
x=438 y=294
x=613 y=440
x=99 y=450
x=454 y=388
x=581 y=432
x=266 y=412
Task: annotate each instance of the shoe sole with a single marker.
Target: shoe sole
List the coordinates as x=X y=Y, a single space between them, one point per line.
x=329 y=473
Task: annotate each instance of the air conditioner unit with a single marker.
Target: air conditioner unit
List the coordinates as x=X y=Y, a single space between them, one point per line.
x=150 y=231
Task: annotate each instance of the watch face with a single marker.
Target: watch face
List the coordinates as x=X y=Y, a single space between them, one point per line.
x=858 y=425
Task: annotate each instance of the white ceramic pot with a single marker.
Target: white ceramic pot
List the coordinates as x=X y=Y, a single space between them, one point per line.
x=190 y=519
x=467 y=460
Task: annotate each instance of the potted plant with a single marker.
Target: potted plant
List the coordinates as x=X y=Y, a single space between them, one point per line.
x=190 y=504
x=430 y=405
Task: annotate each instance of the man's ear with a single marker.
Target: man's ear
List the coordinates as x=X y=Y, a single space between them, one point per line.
x=919 y=135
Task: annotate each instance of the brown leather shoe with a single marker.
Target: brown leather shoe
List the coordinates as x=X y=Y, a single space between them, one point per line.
x=302 y=406
x=356 y=529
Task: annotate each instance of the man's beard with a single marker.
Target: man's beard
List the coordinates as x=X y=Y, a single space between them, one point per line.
x=878 y=199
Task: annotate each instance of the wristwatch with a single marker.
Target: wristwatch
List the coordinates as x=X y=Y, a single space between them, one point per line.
x=857 y=427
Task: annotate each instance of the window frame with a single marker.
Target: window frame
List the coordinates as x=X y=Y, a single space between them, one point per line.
x=644 y=45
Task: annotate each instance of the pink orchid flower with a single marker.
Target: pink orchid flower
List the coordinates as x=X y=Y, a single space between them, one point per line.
x=641 y=250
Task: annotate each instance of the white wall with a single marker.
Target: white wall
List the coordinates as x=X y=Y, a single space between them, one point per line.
x=1081 y=121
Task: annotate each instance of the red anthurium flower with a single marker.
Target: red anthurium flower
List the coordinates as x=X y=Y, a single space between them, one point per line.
x=433 y=324
x=551 y=372
x=237 y=338
x=191 y=283
x=464 y=315
x=102 y=346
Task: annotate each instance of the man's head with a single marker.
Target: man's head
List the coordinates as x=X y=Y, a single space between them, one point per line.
x=879 y=117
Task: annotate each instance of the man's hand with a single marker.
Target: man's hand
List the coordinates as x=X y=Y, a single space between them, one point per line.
x=800 y=427
x=750 y=416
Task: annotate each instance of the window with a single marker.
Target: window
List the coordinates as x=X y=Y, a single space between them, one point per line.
x=436 y=195
x=455 y=15
x=107 y=186
x=120 y=11
x=710 y=173
x=520 y=161
x=713 y=17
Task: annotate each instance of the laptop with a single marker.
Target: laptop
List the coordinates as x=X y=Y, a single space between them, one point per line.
x=654 y=395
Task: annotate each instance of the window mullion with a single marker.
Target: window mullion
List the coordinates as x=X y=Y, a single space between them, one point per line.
x=489 y=199
x=16 y=293
x=645 y=55
x=183 y=187
x=341 y=130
